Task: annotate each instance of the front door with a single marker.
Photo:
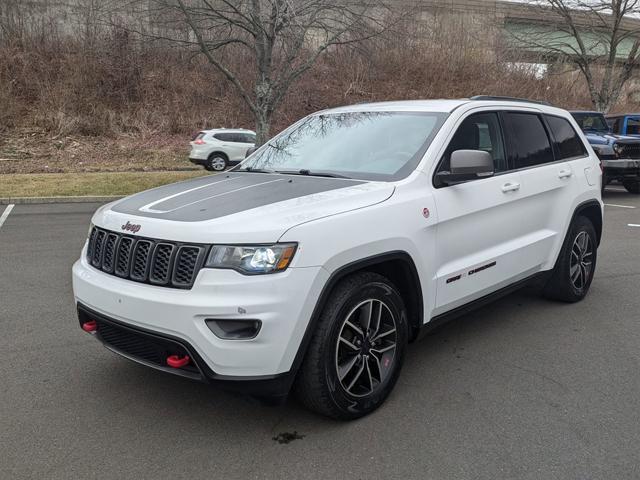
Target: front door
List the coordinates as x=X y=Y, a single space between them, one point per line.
x=481 y=230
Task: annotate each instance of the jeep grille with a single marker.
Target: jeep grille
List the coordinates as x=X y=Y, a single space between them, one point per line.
x=629 y=150
x=146 y=260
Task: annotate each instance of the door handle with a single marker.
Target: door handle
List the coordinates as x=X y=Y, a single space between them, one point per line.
x=564 y=173
x=510 y=187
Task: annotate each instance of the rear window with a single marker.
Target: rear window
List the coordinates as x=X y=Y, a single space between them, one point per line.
x=247 y=138
x=528 y=140
x=567 y=141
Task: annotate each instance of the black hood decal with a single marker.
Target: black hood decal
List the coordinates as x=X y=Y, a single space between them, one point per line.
x=220 y=195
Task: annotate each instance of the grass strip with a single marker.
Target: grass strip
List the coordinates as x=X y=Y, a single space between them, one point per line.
x=92 y=184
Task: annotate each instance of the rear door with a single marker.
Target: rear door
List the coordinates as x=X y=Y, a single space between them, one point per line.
x=231 y=145
x=547 y=181
x=480 y=226
x=570 y=148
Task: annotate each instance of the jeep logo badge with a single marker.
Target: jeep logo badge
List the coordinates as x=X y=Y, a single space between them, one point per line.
x=131 y=227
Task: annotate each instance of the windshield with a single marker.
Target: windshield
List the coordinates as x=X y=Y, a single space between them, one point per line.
x=591 y=121
x=363 y=145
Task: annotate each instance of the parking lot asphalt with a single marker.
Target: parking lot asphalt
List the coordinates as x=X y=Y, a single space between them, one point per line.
x=522 y=389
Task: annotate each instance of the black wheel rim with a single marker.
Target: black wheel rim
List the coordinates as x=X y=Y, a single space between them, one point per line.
x=366 y=348
x=581 y=262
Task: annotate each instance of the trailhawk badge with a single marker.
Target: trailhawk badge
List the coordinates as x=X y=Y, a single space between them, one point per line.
x=131 y=227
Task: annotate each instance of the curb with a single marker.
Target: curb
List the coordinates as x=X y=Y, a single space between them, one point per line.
x=44 y=200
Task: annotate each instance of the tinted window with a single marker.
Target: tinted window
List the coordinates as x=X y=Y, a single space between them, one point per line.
x=225 y=137
x=246 y=138
x=480 y=131
x=528 y=141
x=568 y=144
x=633 y=126
x=615 y=124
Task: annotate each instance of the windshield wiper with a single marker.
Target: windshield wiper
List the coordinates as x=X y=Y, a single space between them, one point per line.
x=254 y=170
x=311 y=173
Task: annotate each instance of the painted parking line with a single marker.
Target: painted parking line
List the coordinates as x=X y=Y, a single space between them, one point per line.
x=6 y=213
x=619 y=206
x=634 y=225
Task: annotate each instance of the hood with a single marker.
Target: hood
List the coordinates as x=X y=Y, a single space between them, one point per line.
x=237 y=207
x=602 y=138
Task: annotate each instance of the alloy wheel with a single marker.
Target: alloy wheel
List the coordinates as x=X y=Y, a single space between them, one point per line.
x=217 y=164
x=366 y=346
x=581 y=262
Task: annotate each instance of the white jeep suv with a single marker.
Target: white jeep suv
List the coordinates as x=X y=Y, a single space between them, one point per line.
x=217 y=149
x=311 y=265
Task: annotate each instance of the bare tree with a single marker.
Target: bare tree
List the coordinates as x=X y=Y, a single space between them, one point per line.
x=600 y=37
x=281 y=40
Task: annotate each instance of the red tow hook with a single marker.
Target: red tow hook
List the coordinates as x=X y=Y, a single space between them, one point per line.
x=90 y=327
x=176 y=361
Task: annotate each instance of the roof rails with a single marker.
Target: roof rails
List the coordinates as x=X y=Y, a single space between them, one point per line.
x=509 y=99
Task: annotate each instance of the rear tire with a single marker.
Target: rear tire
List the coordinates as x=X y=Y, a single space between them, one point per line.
x=357 y=350
x=572 y=276
x=632 y=186
x=216 y=162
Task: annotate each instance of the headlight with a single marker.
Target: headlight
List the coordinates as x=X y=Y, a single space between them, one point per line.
x=252 y=259
x=617 y=148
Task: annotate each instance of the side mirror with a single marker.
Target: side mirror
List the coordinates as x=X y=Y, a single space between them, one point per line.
x=467 y=165
x=250 y=151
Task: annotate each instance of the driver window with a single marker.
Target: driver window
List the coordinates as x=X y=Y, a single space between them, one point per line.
x=480 y=131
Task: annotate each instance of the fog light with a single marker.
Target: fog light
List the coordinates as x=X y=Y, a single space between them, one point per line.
x=234 y=329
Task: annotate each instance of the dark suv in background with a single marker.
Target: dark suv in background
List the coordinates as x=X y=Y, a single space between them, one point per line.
x=619 y=154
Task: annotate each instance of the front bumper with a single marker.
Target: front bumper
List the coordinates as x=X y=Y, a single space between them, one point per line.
x=621 y=168
x=284 y=302
x=150 y=349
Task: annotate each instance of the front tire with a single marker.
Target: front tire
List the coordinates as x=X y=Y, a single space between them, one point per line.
x=216 y=163
x=632 y=186
x=576 y=265
x=357 y=350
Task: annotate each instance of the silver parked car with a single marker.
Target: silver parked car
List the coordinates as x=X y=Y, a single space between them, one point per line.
x=220 y=148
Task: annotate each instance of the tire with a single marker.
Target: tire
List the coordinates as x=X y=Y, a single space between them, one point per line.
x=216 y=162
x=369 y=371
x=567 y=283
x=632 y=186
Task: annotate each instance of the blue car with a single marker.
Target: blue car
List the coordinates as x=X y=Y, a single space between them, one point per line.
x=619 y=154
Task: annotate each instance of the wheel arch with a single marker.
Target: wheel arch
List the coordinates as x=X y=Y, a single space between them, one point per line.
x=592 y=210
x=218 y=152
x=398 y=266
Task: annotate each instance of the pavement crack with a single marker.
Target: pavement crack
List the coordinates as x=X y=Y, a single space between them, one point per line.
x=540 y=375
